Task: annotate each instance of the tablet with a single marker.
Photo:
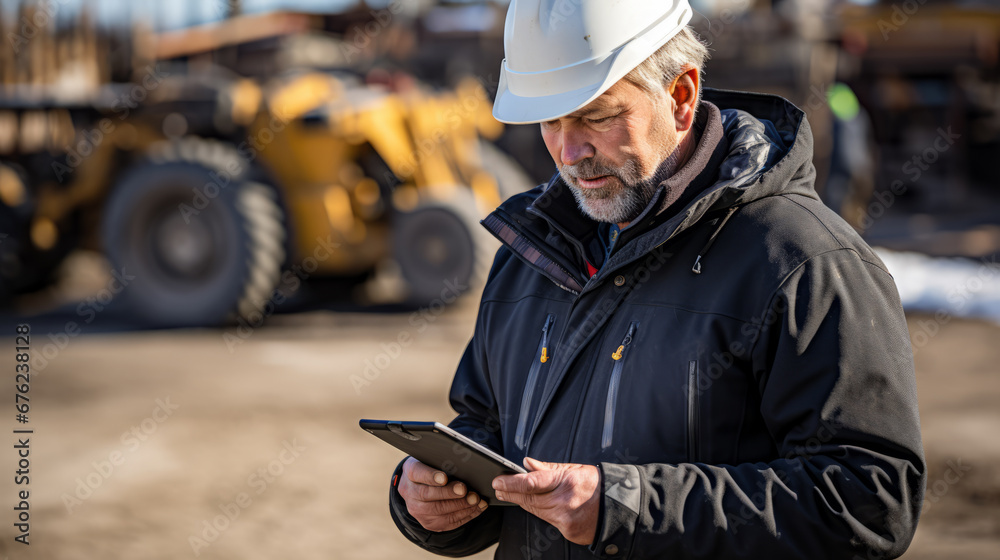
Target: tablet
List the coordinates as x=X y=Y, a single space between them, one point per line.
x=445 y=449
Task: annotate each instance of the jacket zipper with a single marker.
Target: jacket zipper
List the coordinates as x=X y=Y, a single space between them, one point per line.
x=529 y=385
x=693 y=416
x=616 y=377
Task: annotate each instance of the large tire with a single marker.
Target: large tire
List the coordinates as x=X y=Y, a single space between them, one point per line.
x=441 y=249
x=197 y=260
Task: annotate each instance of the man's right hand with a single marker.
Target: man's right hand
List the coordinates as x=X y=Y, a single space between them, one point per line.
x=433 y=502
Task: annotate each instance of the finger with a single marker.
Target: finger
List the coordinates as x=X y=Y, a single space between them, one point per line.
x=536 y=465
x=456 y=519
x=535 y=482
x=462 y=517
x=517 y=499
x=536 y=504
x=439 y=508
x=426 y=493
x=503 y=481
x=423 y=474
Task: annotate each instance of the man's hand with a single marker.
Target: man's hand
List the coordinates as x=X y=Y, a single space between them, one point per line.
x=435 y=504
x=564 y=494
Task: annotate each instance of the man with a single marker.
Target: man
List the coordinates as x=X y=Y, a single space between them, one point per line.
x=693 y=357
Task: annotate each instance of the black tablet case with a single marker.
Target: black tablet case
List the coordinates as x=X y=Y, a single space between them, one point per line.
x=441 y=447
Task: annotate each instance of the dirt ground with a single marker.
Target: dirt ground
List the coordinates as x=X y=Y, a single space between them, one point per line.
x=144 y=439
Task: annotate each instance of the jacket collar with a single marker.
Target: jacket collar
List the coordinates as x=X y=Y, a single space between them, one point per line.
x=755 y=146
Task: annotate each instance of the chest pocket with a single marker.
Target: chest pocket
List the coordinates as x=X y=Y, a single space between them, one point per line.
x=540 y=362
x=693 y=412
x=617 y=370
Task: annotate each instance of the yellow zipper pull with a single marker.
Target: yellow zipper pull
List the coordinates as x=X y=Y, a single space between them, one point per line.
x=618 y=353
x=545 y=354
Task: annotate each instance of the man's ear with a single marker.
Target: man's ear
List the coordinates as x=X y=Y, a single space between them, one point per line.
x=684 y=91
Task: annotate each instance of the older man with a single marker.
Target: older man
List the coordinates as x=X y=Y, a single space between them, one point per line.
x=693 y=357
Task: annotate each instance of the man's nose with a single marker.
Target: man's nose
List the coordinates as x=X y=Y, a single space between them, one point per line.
x=575 y=148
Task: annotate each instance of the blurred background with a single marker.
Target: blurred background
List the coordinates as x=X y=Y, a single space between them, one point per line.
x=236 y=227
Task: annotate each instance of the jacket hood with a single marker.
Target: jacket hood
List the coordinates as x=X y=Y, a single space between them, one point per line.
x=751 y=146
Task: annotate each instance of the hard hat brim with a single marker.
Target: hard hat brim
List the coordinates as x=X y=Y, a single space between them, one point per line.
x=510 y=108
x=522 y=97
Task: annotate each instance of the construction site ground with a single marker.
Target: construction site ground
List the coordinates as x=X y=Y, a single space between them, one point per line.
x=184 y=443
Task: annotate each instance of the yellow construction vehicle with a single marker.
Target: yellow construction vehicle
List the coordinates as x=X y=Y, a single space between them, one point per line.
x=219 y=195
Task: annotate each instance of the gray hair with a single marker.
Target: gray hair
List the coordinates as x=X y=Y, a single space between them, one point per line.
x=682 y=51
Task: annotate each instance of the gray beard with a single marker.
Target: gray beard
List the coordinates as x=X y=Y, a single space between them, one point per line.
x=625 y=198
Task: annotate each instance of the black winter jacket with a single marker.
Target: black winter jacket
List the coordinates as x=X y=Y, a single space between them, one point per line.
x=739 y=369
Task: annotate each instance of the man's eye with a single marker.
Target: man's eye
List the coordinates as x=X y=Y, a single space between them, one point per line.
x=600 y=120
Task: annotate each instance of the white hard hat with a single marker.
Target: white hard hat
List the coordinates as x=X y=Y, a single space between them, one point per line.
x=563 y=54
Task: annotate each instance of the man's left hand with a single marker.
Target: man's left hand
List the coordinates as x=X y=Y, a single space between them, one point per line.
x=567 y=495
